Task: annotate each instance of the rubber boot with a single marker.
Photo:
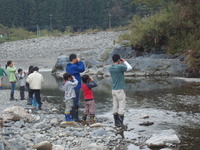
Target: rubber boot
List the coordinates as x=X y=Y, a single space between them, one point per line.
x=83 y=121
x=1 y=88
x=72 y=113
x=116 y=119
x=121 y=119
x=40 y=107
x=12 y=97
x=92 y=121
x=75 y=114
x=68 y=117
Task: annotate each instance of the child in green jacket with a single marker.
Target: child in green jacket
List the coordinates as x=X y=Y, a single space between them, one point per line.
x=11 y=69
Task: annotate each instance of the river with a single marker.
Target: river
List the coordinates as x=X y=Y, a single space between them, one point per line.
x=169 y=102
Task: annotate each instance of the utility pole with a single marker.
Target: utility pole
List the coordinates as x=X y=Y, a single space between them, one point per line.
x=109 y=20
x=50 y=17
x=38 y=30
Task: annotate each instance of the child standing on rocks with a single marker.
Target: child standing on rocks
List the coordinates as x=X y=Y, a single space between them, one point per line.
x=68 y=85
x=22 y=82
x=88 y=84
x=11 y=69
x=35 y=81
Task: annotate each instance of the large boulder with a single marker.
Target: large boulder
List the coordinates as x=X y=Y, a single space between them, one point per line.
x=125 y=52
x=104 y=71
x=97 y=63
x=156 y=67
x=61 y=63
x=16 y=113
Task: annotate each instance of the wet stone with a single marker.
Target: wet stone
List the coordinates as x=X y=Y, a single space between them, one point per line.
x=147 y=123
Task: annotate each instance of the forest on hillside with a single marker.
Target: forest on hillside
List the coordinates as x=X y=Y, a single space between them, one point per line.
x=62 y=14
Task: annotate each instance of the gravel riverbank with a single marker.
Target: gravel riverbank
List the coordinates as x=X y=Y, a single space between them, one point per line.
x=43 y=52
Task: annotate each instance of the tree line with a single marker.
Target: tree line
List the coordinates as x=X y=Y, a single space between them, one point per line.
x=59 y=14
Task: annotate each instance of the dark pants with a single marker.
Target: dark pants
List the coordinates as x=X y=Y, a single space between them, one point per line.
x=76 y=99
x=13 y=84
x=37 y=95
x=22 y=89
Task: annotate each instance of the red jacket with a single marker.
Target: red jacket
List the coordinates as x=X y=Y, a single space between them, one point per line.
x=87 y=90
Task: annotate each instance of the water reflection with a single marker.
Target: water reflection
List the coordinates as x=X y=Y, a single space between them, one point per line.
x=171 y=103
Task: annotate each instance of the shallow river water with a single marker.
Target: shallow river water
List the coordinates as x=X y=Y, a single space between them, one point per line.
x=169 y=102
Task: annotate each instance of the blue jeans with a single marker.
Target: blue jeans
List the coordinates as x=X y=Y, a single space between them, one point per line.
x=13 y=84
x=76 y=99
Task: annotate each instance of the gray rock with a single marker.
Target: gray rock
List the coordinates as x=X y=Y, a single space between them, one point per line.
x=16 y=113
x=39 y=138
x=78 y=134
x=69 y=138
x=147 y=123
x=99 y=132
x=45 y=145
x=103 y=71
x=61 y=63
x=54 y=121
x=16 y=145
x=57 y=147
x=89 y=63
x=94 y=146
x=27 y=136
x=97 y=125
x=19 y=124
x=161 y=139
x=157 y=67
x=125 y=52
x=42 y=125
x=65 y=124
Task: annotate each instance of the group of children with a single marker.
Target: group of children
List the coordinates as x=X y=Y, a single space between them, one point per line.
x=70 y=82
x=10 y=71
x=32 y=81
x=72 y=86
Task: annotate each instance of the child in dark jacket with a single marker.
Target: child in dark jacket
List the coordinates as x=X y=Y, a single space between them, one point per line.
x=87 y=85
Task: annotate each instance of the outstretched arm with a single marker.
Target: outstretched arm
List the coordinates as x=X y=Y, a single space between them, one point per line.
x=91 y=84
x=129 y=67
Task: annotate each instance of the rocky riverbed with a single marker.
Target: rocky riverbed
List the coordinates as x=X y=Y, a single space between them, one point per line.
x=29 y=128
